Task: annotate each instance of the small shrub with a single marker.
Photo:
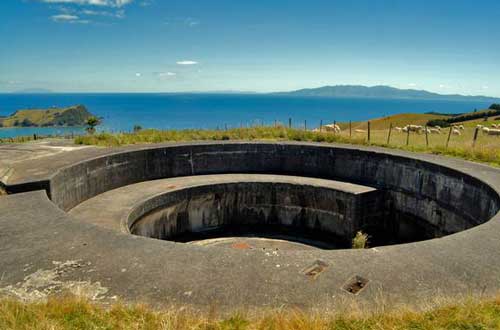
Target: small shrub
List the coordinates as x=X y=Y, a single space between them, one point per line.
x=360 y=241
x=92 y=122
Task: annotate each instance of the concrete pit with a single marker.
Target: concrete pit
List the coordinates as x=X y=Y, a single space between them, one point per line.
x=247 y=209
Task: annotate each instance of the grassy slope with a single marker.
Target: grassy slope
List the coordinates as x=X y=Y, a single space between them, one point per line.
x=71 y=313
x=396 y=120
x=404 y=119
x=42 y=117
x=473 y=123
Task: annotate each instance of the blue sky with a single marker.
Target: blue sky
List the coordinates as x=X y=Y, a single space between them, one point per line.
x=446 y=46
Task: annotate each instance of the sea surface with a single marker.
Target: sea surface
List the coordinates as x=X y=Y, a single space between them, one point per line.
x=120 y=112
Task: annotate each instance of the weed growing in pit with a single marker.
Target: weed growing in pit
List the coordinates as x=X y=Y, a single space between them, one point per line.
x=360 y=241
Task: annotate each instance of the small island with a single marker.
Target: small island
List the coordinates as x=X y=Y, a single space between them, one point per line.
x=71 y=116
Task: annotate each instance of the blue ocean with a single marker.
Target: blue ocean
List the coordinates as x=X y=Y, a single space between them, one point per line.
x=120 y=112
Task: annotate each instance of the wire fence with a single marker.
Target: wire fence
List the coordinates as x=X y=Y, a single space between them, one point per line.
x=409 y=135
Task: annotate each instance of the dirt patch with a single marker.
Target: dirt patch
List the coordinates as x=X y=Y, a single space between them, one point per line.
x=241 y=246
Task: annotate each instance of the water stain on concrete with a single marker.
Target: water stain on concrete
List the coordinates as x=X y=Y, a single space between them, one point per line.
x=42 y=283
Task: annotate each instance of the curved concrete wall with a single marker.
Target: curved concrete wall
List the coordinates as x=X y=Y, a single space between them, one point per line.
x=447 y=199
x=320 y=213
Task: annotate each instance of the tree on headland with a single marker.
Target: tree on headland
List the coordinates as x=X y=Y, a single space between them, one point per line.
x=27 y=123
x=494 y=110
x=137 y=128
x=92 y=122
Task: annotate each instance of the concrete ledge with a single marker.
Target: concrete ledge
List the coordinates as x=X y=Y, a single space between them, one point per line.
x=214 y=201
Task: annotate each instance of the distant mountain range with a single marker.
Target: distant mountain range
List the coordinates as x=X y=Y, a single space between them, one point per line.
x=385 y=92
x=33 y=91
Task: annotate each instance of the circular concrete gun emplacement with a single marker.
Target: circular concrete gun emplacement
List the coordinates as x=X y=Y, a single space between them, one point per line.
x=266 y=210
x=285 y=212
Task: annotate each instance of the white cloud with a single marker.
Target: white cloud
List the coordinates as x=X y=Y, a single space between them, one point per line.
x=118 y=14
x=412 y=85
x=138 y=74
x=485 y=87
x=146 y=3
x=191 y=22
x=108 y=3
x=166 y=74
x=187 y=62
x=66 y=18
x=182 y=22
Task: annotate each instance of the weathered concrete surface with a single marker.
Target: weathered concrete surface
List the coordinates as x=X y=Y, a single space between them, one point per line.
x=15 y=159
x=35 y=233
x=316 y=207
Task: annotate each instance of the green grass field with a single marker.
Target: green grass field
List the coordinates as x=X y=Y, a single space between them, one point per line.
x=73 y=313
x=487 y=148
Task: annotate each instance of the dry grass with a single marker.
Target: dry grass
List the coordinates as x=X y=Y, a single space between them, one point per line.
x=360 y=241
x=74 y=313
x=487 y=148
x=400 y=120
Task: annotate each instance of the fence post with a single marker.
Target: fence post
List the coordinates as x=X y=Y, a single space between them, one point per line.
x=407 y=135
x=449 y=135
x=389 y=135
x=275 y=123
x=350 y=129
x=320 y=125
x=289 y=122
x=476 y=131
x=305 y=125
x=225 y=127
x=369 y=131
x=334 y=125
x=426 y=137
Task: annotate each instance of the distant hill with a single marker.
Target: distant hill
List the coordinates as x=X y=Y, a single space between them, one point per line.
x=385 y=92
x=470 y=119
x=72 y=116
x=33 y=91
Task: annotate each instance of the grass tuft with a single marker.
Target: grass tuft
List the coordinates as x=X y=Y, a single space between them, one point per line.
x=360 y=241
